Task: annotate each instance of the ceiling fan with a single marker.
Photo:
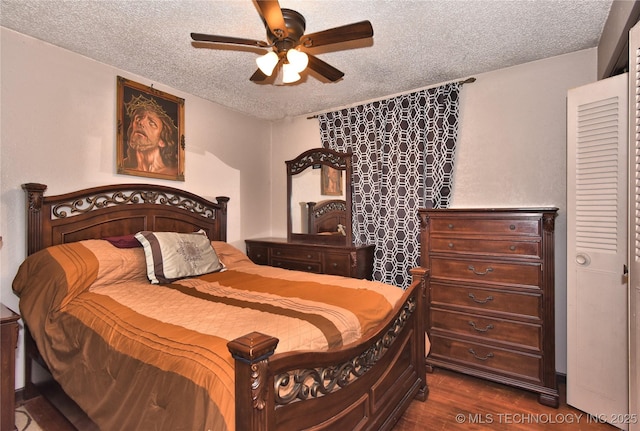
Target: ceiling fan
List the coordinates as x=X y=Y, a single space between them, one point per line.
x=285 y=35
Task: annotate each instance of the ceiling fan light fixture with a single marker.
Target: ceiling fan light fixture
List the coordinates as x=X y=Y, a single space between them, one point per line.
x=286 y=32
x=297 y=59
x=289 y=74
x=266 y=63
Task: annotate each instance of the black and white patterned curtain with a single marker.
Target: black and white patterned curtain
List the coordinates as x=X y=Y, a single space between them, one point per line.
x=403 y=154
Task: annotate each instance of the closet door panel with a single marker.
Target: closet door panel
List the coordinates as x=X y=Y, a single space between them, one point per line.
x=634 y=227
x=597 y=357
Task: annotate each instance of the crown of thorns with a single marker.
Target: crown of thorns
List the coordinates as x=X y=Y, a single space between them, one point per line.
x=140 y=102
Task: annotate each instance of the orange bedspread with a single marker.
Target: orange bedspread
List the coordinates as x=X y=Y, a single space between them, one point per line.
x=139 y=356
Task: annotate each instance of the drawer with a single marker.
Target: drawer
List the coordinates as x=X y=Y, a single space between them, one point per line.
x=337 y=264
x=484 y=247
x=512 y=273
x=258 y=254
x=513 y=363
x=296 y=253
x=485 y=226
x=518 y=334
x=482 y=300
x=298 y=265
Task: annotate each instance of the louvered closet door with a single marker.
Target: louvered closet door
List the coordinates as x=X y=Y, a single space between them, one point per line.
x=597 y=354
x=634 y=228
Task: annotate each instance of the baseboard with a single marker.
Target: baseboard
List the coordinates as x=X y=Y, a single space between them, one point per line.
x=561 y=379
x=19 y=394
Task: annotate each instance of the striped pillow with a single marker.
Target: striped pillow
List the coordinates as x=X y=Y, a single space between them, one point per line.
x=171 y=256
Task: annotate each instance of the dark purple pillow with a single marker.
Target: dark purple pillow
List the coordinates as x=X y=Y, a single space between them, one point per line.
x=123 y=241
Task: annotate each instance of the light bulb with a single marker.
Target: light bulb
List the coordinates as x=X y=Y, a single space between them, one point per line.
x=289 y=74
x=266 y=63
x=297 y=59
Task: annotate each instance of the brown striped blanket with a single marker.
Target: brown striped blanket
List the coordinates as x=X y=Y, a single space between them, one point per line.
x=139 y=356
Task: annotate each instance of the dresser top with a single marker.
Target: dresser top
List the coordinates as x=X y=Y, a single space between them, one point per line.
x=484 y=210
x=286 y=243
x=6 y=315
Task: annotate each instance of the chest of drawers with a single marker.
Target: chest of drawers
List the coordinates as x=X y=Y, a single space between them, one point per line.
x=355 y=262
x=491 y=294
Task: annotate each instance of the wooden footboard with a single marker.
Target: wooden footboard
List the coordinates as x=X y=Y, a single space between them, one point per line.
x=359 y=387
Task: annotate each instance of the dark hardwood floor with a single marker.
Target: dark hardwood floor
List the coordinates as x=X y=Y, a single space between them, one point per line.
x=456 y=402
x=459 y=402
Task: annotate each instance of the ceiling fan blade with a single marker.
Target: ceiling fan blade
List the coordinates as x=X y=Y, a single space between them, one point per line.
x=199 y=37
x=272 y=15
x=258 y=76
x=358 y=30
x=324 y=69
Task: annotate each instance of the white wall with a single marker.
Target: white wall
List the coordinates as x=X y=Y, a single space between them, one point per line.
x=511 y=149
x=58 y=118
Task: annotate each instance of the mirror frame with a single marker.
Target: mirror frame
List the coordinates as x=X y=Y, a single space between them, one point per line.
x=309 y=159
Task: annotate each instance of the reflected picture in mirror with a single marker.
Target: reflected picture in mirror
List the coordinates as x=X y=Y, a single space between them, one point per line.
x=331 y=184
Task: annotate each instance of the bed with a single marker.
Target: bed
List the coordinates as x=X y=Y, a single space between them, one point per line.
x=328 y=217
x=105 y=348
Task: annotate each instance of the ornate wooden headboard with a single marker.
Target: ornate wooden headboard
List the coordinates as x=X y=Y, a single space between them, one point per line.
x=119 y=209
x=325 y=216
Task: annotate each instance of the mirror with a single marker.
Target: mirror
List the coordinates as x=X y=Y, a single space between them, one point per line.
x=319 y=197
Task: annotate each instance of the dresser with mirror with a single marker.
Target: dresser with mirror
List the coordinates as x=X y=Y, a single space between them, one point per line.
x=319 y=234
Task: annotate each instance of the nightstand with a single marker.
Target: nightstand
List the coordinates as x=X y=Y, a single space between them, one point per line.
x=9 y=340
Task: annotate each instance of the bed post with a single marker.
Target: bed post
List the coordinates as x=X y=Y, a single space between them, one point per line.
x=420 y=275
x=254 y=393
x=222 y=200
x=35 y=195
x=34 y=198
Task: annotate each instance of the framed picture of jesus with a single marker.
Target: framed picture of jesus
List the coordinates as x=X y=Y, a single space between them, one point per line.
x=150 y=132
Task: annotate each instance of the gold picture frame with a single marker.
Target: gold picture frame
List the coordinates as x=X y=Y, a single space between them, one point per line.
x=331 y=184
x=150 y=132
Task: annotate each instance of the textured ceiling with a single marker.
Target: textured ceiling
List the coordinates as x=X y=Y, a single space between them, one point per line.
x=416 y=43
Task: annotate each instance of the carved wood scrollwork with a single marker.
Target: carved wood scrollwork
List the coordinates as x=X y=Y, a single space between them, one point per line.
x=34 y=195
x=35 y=201
x=258 y=384
x=353 y=257
x=302 y=384
x=81 y=206
x=548 y=222
x=251 y=353
x=329 y=208
x=299 y=165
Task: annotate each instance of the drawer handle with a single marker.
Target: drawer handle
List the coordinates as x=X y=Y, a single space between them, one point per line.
x=450 y=245
x=259 y=255
x=308 y=256
x=512 y=248
x=489 y=355
x=512 y=227
x=472 y=268
x=473 y=325
x=335 y=265
x=278 y=252
x=450 y=225
x=480 y=301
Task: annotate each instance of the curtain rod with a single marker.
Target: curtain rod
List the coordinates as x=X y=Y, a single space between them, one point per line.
x=465 y=81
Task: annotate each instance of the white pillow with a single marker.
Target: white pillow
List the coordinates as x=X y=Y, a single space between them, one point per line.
x=171 y=255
